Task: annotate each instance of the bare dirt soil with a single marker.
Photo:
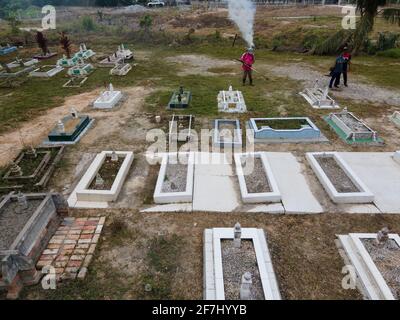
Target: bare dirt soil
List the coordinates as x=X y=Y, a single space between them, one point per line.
x=194 y=64
x=357 y=90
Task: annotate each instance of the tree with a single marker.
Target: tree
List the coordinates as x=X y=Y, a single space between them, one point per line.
x=369 y=10
x=42 y=43
x=145 y=23
x=65 y=44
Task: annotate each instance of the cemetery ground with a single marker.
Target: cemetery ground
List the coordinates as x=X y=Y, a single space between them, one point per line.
x=165 y=250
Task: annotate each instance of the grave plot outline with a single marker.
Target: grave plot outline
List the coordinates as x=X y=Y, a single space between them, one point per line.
x=272 y=196
x=364 y=195
x=213 y=278
x=237 y=133
x=161 y=197
x=373 y=285
x=84 y=193
x=307 y=133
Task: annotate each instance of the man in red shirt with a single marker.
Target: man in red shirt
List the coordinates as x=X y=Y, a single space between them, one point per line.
x=247 y=59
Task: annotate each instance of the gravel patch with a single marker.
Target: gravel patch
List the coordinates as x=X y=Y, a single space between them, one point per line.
x=336 y=174
x=237 y=261
x=12 y=222
x=387 y=260
x=175 y=178
x=255 y=176
x=356 y=90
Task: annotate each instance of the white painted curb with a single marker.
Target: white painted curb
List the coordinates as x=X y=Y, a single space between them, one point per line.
x=273 y=196
x=364 y=196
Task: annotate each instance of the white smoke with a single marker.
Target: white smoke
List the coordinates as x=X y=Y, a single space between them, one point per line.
x=242 y=12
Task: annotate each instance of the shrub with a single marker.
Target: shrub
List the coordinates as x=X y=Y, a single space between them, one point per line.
x=391 y=53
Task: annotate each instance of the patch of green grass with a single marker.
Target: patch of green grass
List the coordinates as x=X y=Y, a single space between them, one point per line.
x=162 y=262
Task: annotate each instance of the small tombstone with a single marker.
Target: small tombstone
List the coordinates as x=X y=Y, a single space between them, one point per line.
x=237 y=241
x=74 y=113
x=60 y=127
x=179 y=98
x=114 y=156
x=245 y=286
x=111 y=88
x=230 y=88
x=99 y=181
x=181 y=90
x=31 y=152
x=325 y=93
x=382 y=236
x=158 y=119
x=22 y=202
x=15 y=170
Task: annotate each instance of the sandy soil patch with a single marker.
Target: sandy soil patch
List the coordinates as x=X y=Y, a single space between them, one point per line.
x=356 y=91
x=193 y=64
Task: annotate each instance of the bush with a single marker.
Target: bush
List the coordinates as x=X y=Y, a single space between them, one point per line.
x=391 y=53
x=387 y=41
x=88 y=24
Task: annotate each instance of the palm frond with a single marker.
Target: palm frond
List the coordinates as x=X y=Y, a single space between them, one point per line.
x=391 y=15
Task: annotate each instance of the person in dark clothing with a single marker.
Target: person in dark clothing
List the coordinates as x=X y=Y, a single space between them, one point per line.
x=346 y=66
x=336 y=71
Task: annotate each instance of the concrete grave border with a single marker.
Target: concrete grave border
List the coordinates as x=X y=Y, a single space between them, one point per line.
x=111 y=102
x=183 y=135
x=270 y=135
x=396 y=156
x=223 y=104
x=175 y=197
x=319 y=98
x=46 y=74
x=238 y=133
x=85 y=194
x=364 y=196
x=395 y=117
x=213 y=281
x=369 y=278
x=272 y=196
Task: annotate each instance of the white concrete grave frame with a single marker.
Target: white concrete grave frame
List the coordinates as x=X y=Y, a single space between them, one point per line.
x=319 y=98
x=108 y=98
x=237 y=136
x=395 y=117
x=46 y=74
x=273 y=196
x=175 y=197
x=231 y=101
x=83 y=193
x=363 y=196
x=369 y=278
x=396 y=156
x=183 y=135
x=213 y=280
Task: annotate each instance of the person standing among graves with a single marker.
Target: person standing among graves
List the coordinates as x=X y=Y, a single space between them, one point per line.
x=346 y=65
x=247 y=60
x=336 y=71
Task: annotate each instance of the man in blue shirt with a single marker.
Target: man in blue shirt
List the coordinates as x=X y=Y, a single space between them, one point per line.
x=336 y=71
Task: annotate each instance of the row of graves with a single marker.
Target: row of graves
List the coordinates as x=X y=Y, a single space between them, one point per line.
x=38 y=238
x=80 y=65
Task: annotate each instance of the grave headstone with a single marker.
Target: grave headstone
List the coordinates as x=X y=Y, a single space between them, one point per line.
x=245 y=286
x=237 y=235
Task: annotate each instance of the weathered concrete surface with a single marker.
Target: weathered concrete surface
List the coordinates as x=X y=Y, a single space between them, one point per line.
x=381 y=174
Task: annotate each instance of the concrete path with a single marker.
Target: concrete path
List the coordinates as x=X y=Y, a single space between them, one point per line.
x=381 y=174
x=214 y=185
x=296 y=194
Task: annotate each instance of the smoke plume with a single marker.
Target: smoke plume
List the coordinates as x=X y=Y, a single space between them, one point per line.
x=242 y=12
